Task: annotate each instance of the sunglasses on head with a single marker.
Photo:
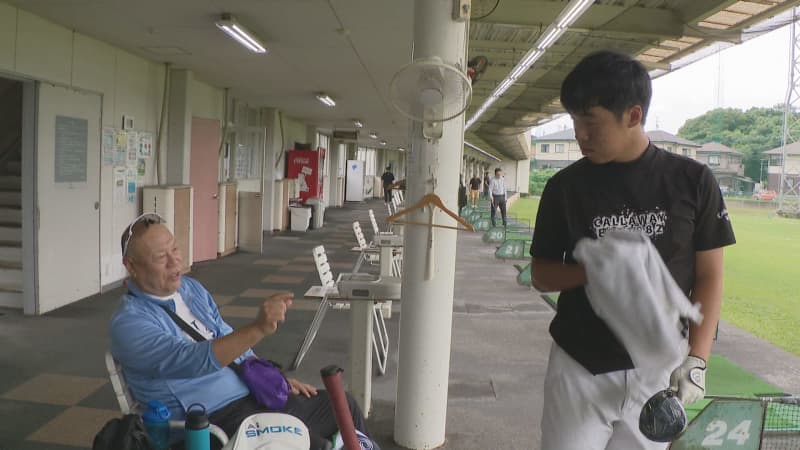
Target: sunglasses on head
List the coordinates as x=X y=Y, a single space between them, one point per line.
x=147 y=219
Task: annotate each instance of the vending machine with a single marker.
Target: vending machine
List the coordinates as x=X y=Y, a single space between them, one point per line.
x=305 y=167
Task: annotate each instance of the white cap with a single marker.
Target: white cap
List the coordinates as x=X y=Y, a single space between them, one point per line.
x=270 y=431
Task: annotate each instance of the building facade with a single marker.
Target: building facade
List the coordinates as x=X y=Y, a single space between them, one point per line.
x=727 y=165
x=560 y=149
x=775 y=162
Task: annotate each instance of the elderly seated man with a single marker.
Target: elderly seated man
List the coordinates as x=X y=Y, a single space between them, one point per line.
x=161 y=362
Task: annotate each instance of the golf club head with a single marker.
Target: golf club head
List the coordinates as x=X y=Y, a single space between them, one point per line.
x=662 y=418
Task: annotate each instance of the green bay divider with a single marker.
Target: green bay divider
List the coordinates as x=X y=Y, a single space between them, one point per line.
x=725 y=424
x=514 y=249
x=496 y=234
x=524 y=276
x=482 y=224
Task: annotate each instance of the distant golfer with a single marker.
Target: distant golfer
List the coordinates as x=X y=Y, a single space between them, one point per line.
x=388 y=180
x=474 y=189
x=497 y=195
x=592 y=393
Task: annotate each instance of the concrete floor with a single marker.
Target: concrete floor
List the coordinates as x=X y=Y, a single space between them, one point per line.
x=55 y=395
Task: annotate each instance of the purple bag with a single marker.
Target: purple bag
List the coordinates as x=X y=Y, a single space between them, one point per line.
x=262 y=377
x=266 y=382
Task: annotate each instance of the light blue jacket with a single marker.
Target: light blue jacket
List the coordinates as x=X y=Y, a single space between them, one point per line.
x=160 y=362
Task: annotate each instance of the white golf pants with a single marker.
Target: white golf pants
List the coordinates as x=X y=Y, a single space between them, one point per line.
x=595 y=412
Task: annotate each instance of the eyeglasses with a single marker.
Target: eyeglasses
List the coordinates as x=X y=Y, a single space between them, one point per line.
x=147 y=219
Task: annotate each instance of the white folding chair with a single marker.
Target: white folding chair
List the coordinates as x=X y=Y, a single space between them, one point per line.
x=380 y=336
x=375 y=229
x=396 y=203
x=368 y=252
x=129 y=405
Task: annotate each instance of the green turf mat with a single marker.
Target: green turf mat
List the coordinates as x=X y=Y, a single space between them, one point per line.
x=725 y=378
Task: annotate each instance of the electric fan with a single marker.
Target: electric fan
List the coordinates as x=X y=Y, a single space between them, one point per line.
x=430 y=91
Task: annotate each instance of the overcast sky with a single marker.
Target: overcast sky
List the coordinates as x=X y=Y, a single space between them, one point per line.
x=752 y=74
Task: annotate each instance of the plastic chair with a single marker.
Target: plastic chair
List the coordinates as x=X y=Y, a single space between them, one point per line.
x=380 y=336
x=129 y=405
x=375 y=229
x=369 y=252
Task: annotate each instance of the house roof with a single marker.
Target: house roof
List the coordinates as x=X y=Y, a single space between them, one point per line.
x=563 y=135
x=655 y=136
x=663 y=136
x=716 y=147
x=791 y=149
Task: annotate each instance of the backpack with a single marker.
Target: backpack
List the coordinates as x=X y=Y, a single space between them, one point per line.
x=125 y=433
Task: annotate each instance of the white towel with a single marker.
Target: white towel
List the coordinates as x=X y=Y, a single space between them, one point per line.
x=630 y=288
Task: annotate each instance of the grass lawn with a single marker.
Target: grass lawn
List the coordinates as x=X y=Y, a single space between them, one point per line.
x=526 y=208
x=762 y=274
x=762 y=280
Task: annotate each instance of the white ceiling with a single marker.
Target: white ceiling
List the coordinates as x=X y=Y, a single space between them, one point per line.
x=351 y=48
x=348 y=49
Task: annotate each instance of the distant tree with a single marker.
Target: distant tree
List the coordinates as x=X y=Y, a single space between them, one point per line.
x=751 y=132
x=538 y=179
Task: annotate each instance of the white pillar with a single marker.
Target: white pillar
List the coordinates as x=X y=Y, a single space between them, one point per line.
x=523 y=176
x=427 y=311
x=179 y=137
x=333 y=186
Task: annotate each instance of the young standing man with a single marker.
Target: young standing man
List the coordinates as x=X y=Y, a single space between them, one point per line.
x=497 y=195
x=474 y=189
x=593 y=394
x=388 y=179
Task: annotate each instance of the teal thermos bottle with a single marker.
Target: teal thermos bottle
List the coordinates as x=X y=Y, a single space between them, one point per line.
x=197 y=433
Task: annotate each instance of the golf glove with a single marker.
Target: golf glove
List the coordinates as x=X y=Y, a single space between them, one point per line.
x=688 y=381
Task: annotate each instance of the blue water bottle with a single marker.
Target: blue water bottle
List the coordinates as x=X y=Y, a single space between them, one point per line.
x=197 y=433
x=156 y=422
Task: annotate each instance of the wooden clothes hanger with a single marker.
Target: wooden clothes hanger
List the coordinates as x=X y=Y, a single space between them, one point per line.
x=431 y=200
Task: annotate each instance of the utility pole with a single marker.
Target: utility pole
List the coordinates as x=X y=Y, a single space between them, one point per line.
x=789 y=192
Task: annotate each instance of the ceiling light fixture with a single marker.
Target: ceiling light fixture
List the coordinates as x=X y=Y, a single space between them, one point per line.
x=401 y=149
x=358 y=123
x=326 y=99
x=234 y=29
x=383 y=143
x=373 y=135
x=565 y=19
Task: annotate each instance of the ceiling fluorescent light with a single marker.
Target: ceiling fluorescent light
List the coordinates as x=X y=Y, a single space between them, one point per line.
x=567 y=17
x=326 y=99
x=235 y=30
x=373 y=135
x=573 y=11
x=358 y=124
x=549 y=37
x=503 y=87
x=518 y=71
x=530 y=58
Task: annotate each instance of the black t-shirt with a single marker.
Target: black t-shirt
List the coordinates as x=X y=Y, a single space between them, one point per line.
x=674 y=199
x=388 y=179
x=475 y=183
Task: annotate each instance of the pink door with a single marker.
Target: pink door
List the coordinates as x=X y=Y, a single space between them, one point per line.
x=204 y=171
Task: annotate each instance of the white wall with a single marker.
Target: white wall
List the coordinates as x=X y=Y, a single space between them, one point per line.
x=35 y=48
x=523 y=176
x=206 y=101
x=509 y=171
